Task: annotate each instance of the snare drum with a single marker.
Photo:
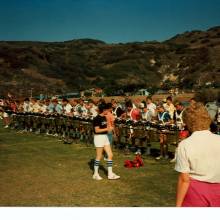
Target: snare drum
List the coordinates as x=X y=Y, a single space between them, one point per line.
x=153 y=135
x=139 y=132
x=172 y=137
x=123 y=131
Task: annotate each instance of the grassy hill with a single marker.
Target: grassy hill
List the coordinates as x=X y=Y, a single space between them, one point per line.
x=187 y=60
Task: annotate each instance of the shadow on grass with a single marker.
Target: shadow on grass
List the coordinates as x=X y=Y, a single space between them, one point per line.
x=101 y=167
x=156 y=153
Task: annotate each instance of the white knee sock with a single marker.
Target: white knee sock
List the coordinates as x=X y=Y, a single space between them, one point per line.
x=109 y=164
x=96 y=166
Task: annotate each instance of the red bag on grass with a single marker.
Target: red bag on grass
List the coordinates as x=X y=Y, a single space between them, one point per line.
x=137 y=162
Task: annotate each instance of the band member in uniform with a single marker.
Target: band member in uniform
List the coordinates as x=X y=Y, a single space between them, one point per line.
x=101 y=143
x=151 y=106
x=26 y=105
x=169 y=106
x=92 y=109
x=67 y=108
x=132 y=113
x=6 y=118
x=163 y=118
x=116 y=109
x=35 y=107
x=178 y=120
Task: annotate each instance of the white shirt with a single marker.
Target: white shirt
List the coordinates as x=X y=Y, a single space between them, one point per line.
x=152 y=107
x=147 y=115
x=94 y=111
x=35 y=108
x=26 y=107
x=170 y=108
x=84 y=111
x=212 y=109
x=67 y=108
x=43 y=108
x=76 y=110
x=218 y=115
x=199 y=155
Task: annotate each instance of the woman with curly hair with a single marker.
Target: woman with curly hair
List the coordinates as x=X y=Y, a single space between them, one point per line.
x=198 y=161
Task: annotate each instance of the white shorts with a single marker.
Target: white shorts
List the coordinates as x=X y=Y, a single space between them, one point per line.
x=5 y=115
x=101 y=140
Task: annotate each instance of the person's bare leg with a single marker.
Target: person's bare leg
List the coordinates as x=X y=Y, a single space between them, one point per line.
x=99 y=152
x=111 y=175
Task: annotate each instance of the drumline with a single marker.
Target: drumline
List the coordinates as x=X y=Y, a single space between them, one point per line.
x=81 y=128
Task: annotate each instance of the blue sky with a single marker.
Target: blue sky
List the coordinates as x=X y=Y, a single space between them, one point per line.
x=112 y=21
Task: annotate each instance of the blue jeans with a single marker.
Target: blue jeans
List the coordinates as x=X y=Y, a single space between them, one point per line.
x=110 y=138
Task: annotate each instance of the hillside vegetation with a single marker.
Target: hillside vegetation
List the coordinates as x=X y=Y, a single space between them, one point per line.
x=188 y=60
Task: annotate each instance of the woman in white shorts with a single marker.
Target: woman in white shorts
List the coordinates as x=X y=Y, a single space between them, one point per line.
x=101 y=143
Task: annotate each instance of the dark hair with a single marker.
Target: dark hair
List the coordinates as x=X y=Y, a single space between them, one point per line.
x=102 y=106
x=160 y=105
x=109 y=105
x=65 y=100
x=26 y=99
x=178 y=103
x=102 y=101
x=169 y=98
x=128 y=104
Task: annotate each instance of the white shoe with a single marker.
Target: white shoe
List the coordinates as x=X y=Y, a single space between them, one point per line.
x=138 y=152
x=113 y=176
x=96 y=177
x=173 y=160
x=6 y=126
x=159 y=158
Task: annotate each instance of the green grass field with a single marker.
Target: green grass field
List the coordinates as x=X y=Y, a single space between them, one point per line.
x=36 y=170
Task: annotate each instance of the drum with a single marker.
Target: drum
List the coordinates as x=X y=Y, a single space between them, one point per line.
x=123 y=130
x=139 y=132
x=68 y=122
x=13 y=122
x=153 y=135
x=172 y=137
x=123 y=140
x=117 y=130
x=35 y=121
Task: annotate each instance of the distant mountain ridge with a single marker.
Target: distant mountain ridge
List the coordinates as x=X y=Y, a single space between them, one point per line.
x=191 y=59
